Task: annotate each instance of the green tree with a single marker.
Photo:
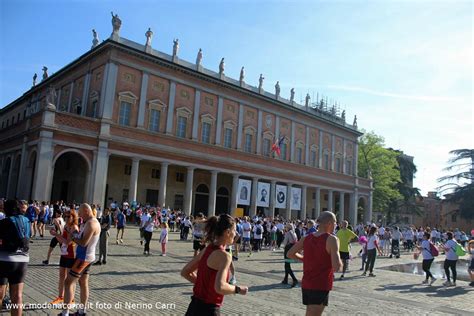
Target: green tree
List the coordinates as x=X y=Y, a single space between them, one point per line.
x=461 y=182
x=380 y=164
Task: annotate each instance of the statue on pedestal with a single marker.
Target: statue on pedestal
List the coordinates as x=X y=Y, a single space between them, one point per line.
x=343 y=115
x=355 y=121
x=149 y=37
x=95 y=40
x=116 y=24
x=242 y=75
x=199 y=58
x=45 y=72
x=34 y=79
x=277 y=89
x=260 y=82
x=307 y=100
x=51 y=98
x=221 y=67
x=175 y=47
x=292 y=95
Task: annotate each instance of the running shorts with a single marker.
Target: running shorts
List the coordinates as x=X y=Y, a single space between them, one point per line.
x=65 y=262
x=79 y=268
x=315 y=297
x=344 y=255
x=54 y=242
x=12 y=272
x=197 y=245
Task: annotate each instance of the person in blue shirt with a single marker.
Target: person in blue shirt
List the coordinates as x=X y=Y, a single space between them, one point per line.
x=120 y=222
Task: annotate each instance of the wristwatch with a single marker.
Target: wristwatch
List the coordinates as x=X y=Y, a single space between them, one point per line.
x=237 y=289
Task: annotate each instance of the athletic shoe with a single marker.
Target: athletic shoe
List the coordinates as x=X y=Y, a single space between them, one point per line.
x=341 y=277
x=424 y=282
x=364 y=274
x=163 y=254
x=104 y=262
x=371 y=275
x=121 y=241
x=232 y=281
x=453 y=283
x=284 y=282
x=433 y=280
x=116 y=241
x=45 y=262
x=58 y=300
x=447 y=283
x=97 y=263
x=294 y=283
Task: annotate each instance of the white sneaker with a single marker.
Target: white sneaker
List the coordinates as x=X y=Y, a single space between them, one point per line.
x=433 y=280
x=447 y=283
x=424 y=282
x=453 y=283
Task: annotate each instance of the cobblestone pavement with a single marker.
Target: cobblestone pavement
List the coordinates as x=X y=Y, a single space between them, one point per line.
x=132 y=284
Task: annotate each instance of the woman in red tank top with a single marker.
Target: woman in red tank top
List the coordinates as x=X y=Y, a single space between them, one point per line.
x=321 y=259
x=209 y=271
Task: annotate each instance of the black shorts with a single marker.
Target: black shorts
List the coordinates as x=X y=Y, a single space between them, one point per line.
x=198 y=308
x=471 y=266
x=54 y=242
x=315 y=297
x=79 y=268
x=344 y=255
x=66 y=262
x=238 y=240
x=12 y=272
x=197 y=245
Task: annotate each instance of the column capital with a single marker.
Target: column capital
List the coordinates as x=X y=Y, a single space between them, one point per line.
x=190 y=168
x=136 y=159
x=165 y=164
x=235 y=176
x=214 y=172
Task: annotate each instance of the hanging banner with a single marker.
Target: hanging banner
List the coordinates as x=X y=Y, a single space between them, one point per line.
x=263 y=194
x=243 y=196
x=280 y=196
x=295 y=199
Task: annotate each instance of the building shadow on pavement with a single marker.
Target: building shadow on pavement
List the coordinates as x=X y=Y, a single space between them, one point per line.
x=273 y=286
x=432 y=291
x=117 y=273
x=143 y=287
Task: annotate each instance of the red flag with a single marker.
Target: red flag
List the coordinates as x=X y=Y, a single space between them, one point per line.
x=276 y=145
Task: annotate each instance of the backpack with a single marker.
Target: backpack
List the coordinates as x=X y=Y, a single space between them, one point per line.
x=22 y=228
x=434 y=251
x=459 y=250
x=259 y=230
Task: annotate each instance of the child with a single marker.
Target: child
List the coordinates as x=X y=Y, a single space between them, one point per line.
x=164 y=238
x=363 y=251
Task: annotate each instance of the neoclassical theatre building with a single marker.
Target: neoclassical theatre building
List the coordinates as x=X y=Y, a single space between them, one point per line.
x=127 y=122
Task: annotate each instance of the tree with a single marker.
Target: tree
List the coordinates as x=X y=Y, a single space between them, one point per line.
x=461 y=182
x=381 y=165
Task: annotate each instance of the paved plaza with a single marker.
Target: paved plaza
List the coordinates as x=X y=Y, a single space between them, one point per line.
x=132 y=284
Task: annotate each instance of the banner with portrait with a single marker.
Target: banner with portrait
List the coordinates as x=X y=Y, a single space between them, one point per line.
x=295 y=199
x=243 y=193
x=263 y=194
x=280 y=196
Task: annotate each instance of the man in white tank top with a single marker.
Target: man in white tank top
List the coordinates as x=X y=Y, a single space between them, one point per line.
x=86 y=241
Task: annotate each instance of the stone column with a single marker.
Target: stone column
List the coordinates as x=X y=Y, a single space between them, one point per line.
x=253 y=198
x=317 y=202
x=85 y=94
x=20 y=191
x=101 y=161
x=333 y=149
x=292 y=142
x=277 y=127
x=341 y=206
x=330 y=201
x=259 y=132
x=44 y=171
x=188 y=198
x=233 y=197
x=220 y=110
x=10 y=193
x=132 y=196
x=306 y=149
x=288 y=201
x=107 y=96
x=142 y=104
x=240 y=127
x=169 y=118
x=344 y=157
x=71 y=90
x=356 y=161
x=369 y=207
x=320 y=160
x=272 y=198
x=304 y=190
x=212 y=194
x=163 y=182
x=197 y=106
x=353 y=208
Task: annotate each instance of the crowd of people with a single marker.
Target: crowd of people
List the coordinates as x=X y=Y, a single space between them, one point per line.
x=322 y=245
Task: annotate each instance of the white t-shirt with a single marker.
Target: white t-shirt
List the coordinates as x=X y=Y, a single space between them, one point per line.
x=450 y=247
x=147 y=223
x=371 y=242
x=381 y=231
x=280 y=227
x=255 y=236
x=396 y=235
x=434 y=234
x=246 y=228
x=426 y=250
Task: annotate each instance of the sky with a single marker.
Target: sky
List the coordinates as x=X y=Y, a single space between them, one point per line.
x=405 y=68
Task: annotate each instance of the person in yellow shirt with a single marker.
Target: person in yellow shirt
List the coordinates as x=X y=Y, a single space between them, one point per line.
x=345 y=236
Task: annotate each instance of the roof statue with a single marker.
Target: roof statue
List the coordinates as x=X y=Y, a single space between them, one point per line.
x=199 y=58
x=149 y=37
x=355 y=121
x=242 y=75
x=35 y=76
x=292 y=95
x=307 y=100
x=343 y=115
x=260 y=82
x=175 y=47
x=221 y=67
x=45 y=72
x=116 y=24
x=51 y=98
x=333 y=109
x=321 y=104
x=95 y=39
x=277 y=90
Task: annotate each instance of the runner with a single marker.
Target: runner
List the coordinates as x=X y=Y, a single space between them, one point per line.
x=209 y=271
x=58 y=223
x=345 y=236
x=425 y=249
x=198 y=231
x=67 y=250
x=105 y=223
x=86 y=241
x=246 y=229
x=32 y=215
x=148 y=224
x=320 y=261
x=257 y=236
x=372 y=247
x=288 y=242
x=120 y=222
x=451 y=259
x=164 y=238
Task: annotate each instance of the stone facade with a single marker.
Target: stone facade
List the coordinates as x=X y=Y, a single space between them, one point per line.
x=139 y=125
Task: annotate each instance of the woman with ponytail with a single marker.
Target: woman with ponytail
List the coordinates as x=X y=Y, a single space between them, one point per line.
x=209 y=271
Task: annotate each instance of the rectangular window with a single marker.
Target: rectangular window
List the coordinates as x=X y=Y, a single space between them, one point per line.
x=179 y=177
x=283 y=151
x=228 y=138
x=266 y=147
x=206 y=133
x=299 y=155
x=248 y=143
x=154 y=124
x=314 y=158
x=124 y=116
x=349 y=167
x=338 y=164
x=178 y=201
x=128 y=170
x=125 y=195
x=182 y=122
x=155 y=173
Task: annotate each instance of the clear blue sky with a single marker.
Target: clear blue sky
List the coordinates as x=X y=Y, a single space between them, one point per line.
x=404 y=67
